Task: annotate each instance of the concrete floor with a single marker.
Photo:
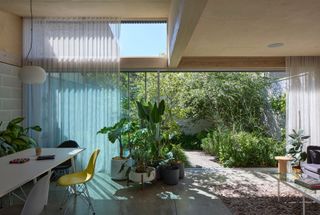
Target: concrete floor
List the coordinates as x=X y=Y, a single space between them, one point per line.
x=200 y=159
x=110 y=197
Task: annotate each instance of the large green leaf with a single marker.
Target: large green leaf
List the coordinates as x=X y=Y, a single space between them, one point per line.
x=155 y=116
x=292 y=151
x=20 y=142
x=16 y=121
x=36 y=128
x=161 y=107
x=142 y=113
x=305 y=137
x=104 y=130
x=7 y=138
x=303 y=156
x=30 y=141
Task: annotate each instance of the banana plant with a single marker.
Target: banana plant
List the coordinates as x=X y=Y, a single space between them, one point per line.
x=151 y=117
x=15 y=137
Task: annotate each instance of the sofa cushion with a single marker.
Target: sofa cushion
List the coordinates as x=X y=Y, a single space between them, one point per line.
x=311 y=167
x=315 y=156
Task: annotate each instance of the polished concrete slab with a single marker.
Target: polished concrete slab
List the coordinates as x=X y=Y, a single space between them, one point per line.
x=110 y=197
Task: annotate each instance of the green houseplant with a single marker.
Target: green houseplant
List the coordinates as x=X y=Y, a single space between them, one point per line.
x=116 y=133
x=296 y=146
x=151 y=118
x=170 y=170
x=145 y=142
x=15 y=137
x=140 y=171
x=180 y=158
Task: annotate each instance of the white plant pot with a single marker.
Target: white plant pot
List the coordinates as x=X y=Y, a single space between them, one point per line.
x=115 y=168
x=142 y=177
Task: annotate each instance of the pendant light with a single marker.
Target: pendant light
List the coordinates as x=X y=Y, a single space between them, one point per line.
x=31 y=74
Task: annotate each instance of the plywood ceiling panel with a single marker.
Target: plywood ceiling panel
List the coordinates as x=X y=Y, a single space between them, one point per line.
x=246 y=27
x=127 y=9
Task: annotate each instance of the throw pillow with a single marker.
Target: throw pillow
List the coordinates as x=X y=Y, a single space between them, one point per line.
x=315 y=156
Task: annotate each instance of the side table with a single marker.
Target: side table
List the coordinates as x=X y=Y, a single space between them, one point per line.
x=282 y=163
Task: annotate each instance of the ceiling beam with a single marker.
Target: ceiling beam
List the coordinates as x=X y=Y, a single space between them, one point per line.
x=142 y=63
x=183 y=18
x=264 y=63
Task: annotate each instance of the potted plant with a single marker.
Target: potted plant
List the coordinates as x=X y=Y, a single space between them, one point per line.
x=177 y=152
x=180 y=158
x=170 y=171
x=15 y=137
x=295 y=151
x=151 y=118
x=146 y=142
x=115 y=133
x=141 y=153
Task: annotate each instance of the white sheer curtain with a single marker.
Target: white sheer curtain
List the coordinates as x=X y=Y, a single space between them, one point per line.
x=81 y=93
x=303 y=98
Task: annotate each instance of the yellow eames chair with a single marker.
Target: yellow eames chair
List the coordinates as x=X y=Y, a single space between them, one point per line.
x=76 y=182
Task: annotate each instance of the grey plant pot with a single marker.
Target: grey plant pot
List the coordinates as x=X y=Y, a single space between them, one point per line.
x=171 y=175
x=181 y=170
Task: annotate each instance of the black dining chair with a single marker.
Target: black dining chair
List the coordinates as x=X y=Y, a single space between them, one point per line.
x=63 y=168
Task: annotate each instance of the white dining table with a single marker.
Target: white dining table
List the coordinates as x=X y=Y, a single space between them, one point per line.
x=13 y=176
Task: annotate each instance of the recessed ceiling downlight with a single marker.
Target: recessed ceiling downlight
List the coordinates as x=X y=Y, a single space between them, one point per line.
x=275 y=45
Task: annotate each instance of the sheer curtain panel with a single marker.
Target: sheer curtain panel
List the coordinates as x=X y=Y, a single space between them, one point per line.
x=303 y=97
x=81 y=93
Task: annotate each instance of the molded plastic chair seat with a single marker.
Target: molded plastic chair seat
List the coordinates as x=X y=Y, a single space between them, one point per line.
x=74 y=178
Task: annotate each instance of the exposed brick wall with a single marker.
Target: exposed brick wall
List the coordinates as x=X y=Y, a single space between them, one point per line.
x=10 y=93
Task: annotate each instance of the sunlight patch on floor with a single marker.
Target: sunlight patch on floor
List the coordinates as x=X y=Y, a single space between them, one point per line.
x=102 y=187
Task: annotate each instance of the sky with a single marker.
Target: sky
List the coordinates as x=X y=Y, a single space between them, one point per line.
x=143 y=40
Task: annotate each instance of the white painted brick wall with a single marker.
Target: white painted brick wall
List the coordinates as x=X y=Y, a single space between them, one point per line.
x=10 y=93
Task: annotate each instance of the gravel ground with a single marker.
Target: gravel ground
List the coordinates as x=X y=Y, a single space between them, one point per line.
x=245 y=191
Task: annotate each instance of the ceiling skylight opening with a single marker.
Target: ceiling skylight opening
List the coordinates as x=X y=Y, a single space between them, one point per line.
x=143 y=39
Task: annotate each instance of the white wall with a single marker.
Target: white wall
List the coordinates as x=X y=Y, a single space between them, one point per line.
x=10 y=62
x=10 y=93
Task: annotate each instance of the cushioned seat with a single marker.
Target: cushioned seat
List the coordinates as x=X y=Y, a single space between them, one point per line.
x=311 y=167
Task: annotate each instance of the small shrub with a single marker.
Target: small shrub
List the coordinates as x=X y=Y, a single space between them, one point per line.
x=179 y=154
x=242 y=149
x=190 y=142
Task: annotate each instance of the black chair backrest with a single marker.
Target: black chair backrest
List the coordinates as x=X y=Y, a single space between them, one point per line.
x=308 y=152
x=69 y=144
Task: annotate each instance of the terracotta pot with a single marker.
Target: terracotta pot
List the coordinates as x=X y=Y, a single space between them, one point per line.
x=38 y=151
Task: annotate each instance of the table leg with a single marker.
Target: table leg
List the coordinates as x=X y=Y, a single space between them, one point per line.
x=278 y=190
x=303 y=205
x=73 y=163
x=46 y=201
